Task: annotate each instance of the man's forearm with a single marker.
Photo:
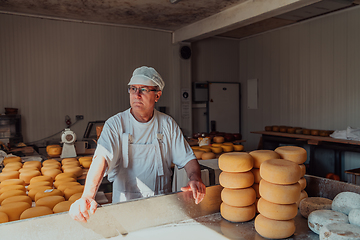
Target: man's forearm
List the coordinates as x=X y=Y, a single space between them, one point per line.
x=94 y=176
x=193 y=171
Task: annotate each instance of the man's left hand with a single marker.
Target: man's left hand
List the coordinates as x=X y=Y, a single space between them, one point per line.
x=197 y=188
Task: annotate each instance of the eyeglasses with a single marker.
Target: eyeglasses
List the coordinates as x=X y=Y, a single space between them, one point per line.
x=143 y=90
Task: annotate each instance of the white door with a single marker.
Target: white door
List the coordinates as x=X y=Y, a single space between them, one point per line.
x=224 y=107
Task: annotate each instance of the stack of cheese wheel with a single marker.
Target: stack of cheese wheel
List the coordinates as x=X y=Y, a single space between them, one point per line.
x=85 y=161
x=297 y=155
x=51 y=168
x=72 y=165
x=54 y=150
x=259 y=157
x=11 y=171
x=279 y=190
x=238 y=196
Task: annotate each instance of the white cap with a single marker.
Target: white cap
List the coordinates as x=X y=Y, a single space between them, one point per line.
x=147 y=76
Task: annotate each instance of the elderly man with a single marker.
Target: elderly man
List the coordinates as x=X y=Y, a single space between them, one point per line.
x=136 y=149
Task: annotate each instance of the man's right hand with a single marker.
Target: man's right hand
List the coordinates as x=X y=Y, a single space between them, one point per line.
x=79 y=209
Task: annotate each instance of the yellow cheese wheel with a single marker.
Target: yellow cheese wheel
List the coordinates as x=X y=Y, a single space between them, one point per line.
x=216 y=145
x=9 y=175
x=208 y=155
x=28 y=175
x=73 y=163
x=12 y=182
x=65 y=175
x=63 y=180
x=81 y=159
x=51 y=162
x=68 y=192
x=47 y=193
x=65 y=160
x=293 y=153
x=78 y=171
x=12 y=164
x=14 y=210
x=75 y=197
x=238 y=147
x=10 y=193
x=41 y=179
x=280 y=171
x=3 y=217
x=39 y=184
x=49 y=167
x=20 y=198
x=62 y=207
x=36 y=164
x=27 y=169
x=235 y=162
x=302 y=183
x=261 y=156
x=303 y=195
x=11 y=159
x=58 y=166
x=241 y=197
x=218 y=139
x=236 y=180
x=8 y=168
x=66 y=185
x=49 y=201
x=54 y=150
x=12 y=187
x=50 y=146
x=36 y=212
x=274 y=229
x=198 y=154
x=193 y=148
x=52 y=173
x=204 y=149
x=32 y=193
x=87 y=163
x=281 y=194
x=227 y=148
x=255 y=186
x=303 y=169
x=257 y=176
x=216 y=150
x=228 y=143
x=237 y=214
x=277 y=211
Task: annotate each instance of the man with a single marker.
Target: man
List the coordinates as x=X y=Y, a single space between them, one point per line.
x=136 y=149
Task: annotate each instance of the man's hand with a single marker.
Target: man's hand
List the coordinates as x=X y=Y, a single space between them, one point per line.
x=79 y=209
x=197 y=188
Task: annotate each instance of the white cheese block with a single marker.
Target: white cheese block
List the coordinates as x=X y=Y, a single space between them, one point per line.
x=345 y=201
x=354 y=216
x=310 y=204
x=339 y=231
x=320 y=218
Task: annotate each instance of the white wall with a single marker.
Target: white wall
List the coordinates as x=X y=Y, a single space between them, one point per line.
x=53 y=68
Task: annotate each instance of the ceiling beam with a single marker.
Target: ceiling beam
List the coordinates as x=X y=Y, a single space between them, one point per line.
x=243 y=14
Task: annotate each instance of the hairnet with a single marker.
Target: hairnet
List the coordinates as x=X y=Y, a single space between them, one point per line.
x=147 y=76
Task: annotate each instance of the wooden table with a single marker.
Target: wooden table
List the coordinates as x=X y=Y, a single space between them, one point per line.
x=271 y=140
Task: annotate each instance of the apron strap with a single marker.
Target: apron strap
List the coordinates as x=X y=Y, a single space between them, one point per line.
x=158 y=157
x=125 y=149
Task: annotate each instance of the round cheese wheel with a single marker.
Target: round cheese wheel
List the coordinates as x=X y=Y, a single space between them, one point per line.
x=216 y=145
x=293 y=153
x=198 y=154
x=9 y=175
x=49 y=167
x=236 y=179
x=62 y=207
x=280 y=171
x=9 y=168
x=256 y=173
x=12 y=187
x=54 y=150
x=274 y=229
x=261 y=156
x=81 y=159
x=27 y=169
x=227 y=148
x=63 y=180
x=354 y=216
x=319 y=218
x=281 y=194
x=277 y=211
x=52 y=173
x=75 y=197
x=35 y=164
x=345 y=201
x=310 y=204
x=208 y=155
x=78 y=171
x=218 y=139
x=216 y=150
x=51 y=162
x=339 y=231
x=238 y=147
x=3 y=217
x=87 y=163
x=11 y=193
x=70 y=164
x=235 y=162
x=302 y=183
x=32 y=193
x=39 y=184
x=49 y=201
x=12 y=182
x=20 y=198
x=68 y=192
x=65 y=175
x=14 y=210
x=255 y=186
x=228 y=143
x=47 y=193
x=41 y=179
x=36 y=212
x=238 y=197
x=66 y=185
x=204 y=149
x=65 y=160
x=12 y=164
x=237 y=214
x=11 y=159
x=28 y=175
x=303 y=169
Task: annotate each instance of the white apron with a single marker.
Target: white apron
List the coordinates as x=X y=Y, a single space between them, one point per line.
x=141 y=173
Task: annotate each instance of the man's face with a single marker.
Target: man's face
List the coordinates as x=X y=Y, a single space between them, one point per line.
x=143 y=101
